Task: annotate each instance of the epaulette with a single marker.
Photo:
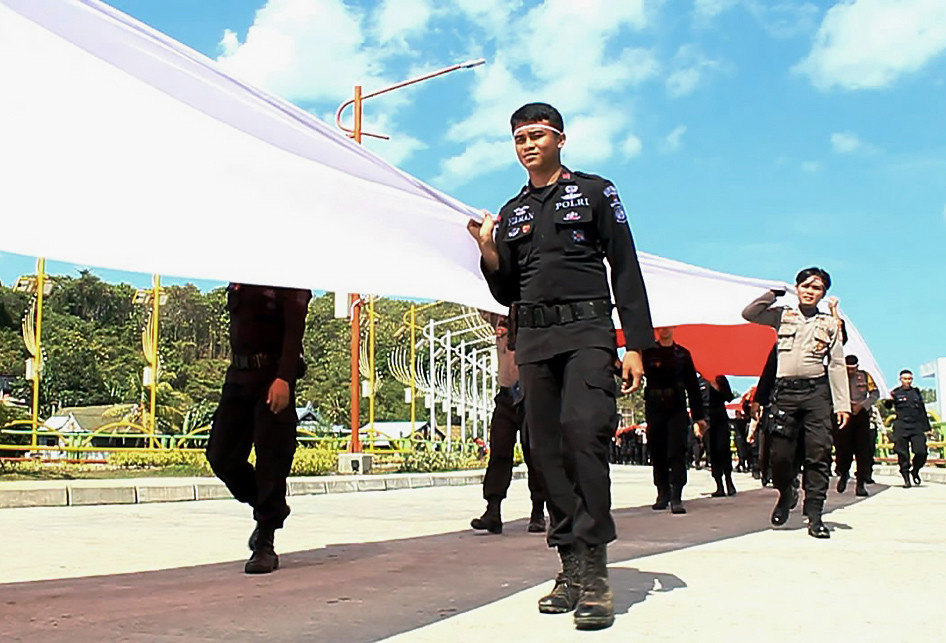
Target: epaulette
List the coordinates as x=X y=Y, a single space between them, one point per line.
x=586 y=175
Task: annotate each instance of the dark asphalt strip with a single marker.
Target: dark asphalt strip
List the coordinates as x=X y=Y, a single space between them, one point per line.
x=361 y=591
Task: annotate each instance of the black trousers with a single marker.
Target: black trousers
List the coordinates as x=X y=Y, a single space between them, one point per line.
x=902 y=442
x=243 y=420
x=807 y=418
x=572 y=415
x=720 y=451
x=667 y=433
x=853 y=443
x=508 y=420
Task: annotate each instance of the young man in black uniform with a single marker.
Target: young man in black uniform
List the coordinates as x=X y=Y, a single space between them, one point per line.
x=547 y=261
x=909 y=429
x=717 y=437
x=671 y=383
x=257 y=408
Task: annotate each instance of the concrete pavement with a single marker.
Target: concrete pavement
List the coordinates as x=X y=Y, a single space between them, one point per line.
x=404 y=564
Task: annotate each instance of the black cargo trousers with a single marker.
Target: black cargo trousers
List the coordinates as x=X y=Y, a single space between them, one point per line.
x=668 y=431
x=571 y=412
x=243 y=420
x=507 y=421
x=854 y=443
x=802 y=411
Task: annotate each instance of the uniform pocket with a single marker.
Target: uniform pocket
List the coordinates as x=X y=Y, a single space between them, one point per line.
x=822 y=339
x=786 y=337
x=603 y=381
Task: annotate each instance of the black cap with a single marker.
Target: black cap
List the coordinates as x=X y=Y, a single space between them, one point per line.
x=851 y=360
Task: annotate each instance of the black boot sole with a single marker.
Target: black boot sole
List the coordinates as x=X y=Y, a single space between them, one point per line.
x=481 y=525
x=555 y=609
x=594 y=622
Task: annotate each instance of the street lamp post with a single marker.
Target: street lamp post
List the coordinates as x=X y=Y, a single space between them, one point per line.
x=155 y=298
x=38 y=286
x=356 y=133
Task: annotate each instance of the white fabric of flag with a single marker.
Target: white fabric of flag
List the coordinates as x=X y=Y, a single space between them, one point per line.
x=122 y=148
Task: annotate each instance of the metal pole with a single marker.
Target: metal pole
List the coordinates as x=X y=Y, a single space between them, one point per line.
x=463 y=392
x=413 y=369
x=371 y=346
x=431 y=377
x=40 y=287
x=448 y=344
x=474 y=391
x=354 y=445
x=155 y=308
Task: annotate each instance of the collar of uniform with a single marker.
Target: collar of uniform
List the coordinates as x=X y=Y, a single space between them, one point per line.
x=566 y=177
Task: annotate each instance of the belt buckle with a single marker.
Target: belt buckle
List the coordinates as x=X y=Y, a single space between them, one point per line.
x=538 y=317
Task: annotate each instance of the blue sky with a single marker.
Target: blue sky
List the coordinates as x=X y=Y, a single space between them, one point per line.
x=747 y=136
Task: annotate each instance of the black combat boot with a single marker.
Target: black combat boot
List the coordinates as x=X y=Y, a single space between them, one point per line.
x=816 y=528
x=264 y=559
x=783 y=506
x=842 y=482
x=490 y=520
x=676 y=500
x=860 y=489
x=564 y=596
x=730 y=486
x=720 y=492
x=252 y=541
x=537 y=519
x=595 y=608
x=663 y=499
x=906 y=480
x=916 y=477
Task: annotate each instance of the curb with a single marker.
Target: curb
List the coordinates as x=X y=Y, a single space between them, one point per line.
x=936 y=475
x=130 y=491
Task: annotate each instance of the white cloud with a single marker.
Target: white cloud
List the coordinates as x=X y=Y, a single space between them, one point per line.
x=691 y=67
x=845 y=142
x=574 y=55
x=631 y=146
x=398 y=19
x=780 y=19
x=229 y=43
x=478 y=158
x=706 y=9
x=674 y=140
x=581 y=56
x=812 y=166
x=304 y=50
x=867 y=44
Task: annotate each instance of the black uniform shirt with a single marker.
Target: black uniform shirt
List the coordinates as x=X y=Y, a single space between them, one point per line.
x=910 y=409
x=671 y=380
x=552 y=243
x=271 y=321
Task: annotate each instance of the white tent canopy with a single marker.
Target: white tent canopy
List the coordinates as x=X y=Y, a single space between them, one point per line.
x=122 y=148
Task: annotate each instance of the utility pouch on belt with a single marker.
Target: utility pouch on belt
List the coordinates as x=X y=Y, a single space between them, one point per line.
x=778 y=422
x=513 y=329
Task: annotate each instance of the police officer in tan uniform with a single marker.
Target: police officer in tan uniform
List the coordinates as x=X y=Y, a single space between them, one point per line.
x=811 y=382
x=854 y=442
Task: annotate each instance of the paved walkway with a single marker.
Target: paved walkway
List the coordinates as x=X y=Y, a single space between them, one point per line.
x=404 y=564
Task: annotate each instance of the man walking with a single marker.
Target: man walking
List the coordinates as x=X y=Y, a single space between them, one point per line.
x=257 y=408
x=809 y=344
x=853 y=442
x=671 y=383
x=508 y=420
x=909 y=428
x=547 y=261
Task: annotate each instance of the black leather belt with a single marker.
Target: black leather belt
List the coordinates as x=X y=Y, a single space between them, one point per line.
x=542 y=316
x=256 y=360
x=800 y=384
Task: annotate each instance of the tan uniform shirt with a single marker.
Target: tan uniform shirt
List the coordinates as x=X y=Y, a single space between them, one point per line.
x=864 y=392
x=803 y=345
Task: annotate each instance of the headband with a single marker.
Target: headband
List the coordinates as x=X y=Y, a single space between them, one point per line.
x=516 y=131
